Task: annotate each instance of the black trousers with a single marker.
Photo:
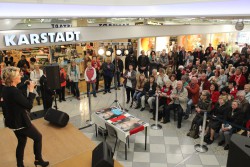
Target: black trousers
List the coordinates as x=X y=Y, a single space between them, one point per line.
x=173 y=107
x=97 y=80
x=22 y=136
x=130 y=92
x=107 y=83
x=117 y=79
x=62 y=93
x=47 y=101
x=75 y=89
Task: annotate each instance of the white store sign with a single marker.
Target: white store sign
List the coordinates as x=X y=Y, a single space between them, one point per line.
x=42 y=38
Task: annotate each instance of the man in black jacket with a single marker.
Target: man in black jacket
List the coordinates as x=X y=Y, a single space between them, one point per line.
x=143 y=62
x=119 y=70
x=130 y=59
x=23 y=62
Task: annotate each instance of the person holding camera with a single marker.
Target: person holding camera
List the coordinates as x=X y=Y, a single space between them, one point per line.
x=17 y=116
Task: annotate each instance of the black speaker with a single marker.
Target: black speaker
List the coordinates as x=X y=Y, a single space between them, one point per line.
x=239 y=151
x=102 y=156
x=53 y=76
x=57 y=117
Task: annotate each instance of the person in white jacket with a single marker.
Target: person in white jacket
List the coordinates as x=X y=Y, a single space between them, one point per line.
x=74 y=76
x=90 y=78
x=35 y=76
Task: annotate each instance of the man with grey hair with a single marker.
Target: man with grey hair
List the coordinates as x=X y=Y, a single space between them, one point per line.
x=179 y=98
x=244 y=104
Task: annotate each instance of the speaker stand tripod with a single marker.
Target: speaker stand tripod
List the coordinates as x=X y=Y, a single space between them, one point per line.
x=55 y=106
x=116 y=102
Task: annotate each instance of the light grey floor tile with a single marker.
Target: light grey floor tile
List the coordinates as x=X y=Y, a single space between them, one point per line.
x=187 y=149
x=141 y=157
x=173 y=149
x=174 y=158
x=193 y=159
x=126 y=163
x=158 y=158
x=208 y=159
x=141 y=164
x=155 y=132
x=171 y=140
x=141 y=139
x=140 y=147
x=222 y=160
x=157 y=148
x=158 y=165
x=121 y=156
x=194 y=165
x=156 y=140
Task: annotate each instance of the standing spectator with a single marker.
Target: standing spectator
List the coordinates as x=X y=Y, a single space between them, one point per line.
x=148 y=93
x=193 y=95
x=179 y=98
x=239 y=78
x=118 y=71
x=35 y=76
x=9 y=60
x=234 y=116
x=47 y=93
x=90 y=78
x=86 y=59
x=181 y=57
x=130 y=59
x=244 y=49
x=175 y=57
x=247 y=92
x=96 y=64
x=63 y=76
x=130 y=82
x=74 y=77
x=198 y=55
x=143 y=62
x=23 y=63
x=209 y=48
x=153 y=63
x=108 y=73
x=163 y=60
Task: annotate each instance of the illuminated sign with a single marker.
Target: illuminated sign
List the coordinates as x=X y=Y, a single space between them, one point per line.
x=32 y=39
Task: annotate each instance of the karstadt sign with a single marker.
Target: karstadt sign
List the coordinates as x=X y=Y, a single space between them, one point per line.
x=42 y=38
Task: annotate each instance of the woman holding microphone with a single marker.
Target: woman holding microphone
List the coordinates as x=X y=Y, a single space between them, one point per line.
x=17 y=115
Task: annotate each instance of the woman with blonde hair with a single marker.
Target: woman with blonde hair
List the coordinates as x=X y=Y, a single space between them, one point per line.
x=17 y=116
x=74 y=77
x=140 y=81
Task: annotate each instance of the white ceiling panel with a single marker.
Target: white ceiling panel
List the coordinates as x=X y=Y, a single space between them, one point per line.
x=111 y=2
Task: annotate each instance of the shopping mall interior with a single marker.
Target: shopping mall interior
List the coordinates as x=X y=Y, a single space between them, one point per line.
x=127 y=119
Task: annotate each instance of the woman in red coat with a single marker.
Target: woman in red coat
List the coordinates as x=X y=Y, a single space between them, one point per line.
x=214 y=94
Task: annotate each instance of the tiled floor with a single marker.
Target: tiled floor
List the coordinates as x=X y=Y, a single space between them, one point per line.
x=168 y=147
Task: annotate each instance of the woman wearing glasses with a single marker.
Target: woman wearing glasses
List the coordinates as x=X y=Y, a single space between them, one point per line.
x=17 y=117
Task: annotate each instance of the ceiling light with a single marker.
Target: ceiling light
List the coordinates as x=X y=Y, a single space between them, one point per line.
x=126 y=52
x=28 y=25
x=108 y=53
x=101 y=51
x=118 y=52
